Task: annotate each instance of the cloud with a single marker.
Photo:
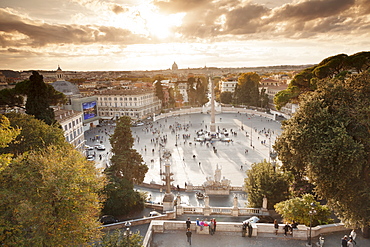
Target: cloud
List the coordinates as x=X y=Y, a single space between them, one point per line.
x=118 y=9
x=233 y=19
x=18 y=31
x=176 y=6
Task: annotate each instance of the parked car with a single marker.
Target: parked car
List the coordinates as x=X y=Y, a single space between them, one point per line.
x=108 y=219
x=90 y=157
x=154 y=213
x=100 y=147
x=87 y=147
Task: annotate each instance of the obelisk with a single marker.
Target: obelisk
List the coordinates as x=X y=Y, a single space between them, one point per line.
x=213 y=124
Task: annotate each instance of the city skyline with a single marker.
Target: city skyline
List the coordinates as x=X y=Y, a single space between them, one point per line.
x=84 y=35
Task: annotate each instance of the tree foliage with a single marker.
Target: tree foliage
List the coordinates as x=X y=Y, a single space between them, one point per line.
x=226 y=97
x=37 y=103
x=328 y=141
x=298 y=209
x=7 y=134
x=159 y=89
x=49 y=198
x=246 y=91
x=335 y=66
x=117 y=238
x=127 y=168
x=34 y=134
x=262 y=180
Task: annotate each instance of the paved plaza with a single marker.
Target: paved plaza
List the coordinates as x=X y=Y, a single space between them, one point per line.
x=234 y=157
x=192 y=162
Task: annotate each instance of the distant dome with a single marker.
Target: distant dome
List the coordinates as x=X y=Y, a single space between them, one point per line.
x=174 y=66
x=66 y=87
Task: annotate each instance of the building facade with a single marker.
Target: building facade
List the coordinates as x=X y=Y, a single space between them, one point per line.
x=72 y=125
x=137 y=104
x=228 y=85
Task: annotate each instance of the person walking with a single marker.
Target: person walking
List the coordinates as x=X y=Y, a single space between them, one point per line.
x=188 y=223
x=215 y=224
x=188 y=235
x=352 y=236
x=344 y=241
x=350 y=243
x=212 y=227
x=276 y=226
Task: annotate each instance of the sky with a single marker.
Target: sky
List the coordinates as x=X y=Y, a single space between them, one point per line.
x=116 y=35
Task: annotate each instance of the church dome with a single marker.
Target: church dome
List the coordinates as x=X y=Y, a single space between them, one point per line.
x=174 y=66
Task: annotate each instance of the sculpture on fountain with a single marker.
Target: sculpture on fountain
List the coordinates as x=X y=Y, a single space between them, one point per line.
x=217 y=186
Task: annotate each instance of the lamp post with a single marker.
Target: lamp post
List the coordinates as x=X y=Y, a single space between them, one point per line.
x=311 y=212
x=127 y=232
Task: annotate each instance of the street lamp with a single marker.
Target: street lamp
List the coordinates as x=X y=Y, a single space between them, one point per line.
x=311 y=212
x=127 y=232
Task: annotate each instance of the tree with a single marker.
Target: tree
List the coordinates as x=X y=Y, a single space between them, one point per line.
x=246 y=91
x=50 y=198
x=298 y=209
x=262 y=180
x=34 y=134
x=126 y=161
x=117 y=239
x=37 y=99
x=159 y=89
x=335 y=66
x=226 y=97
x=7 y=134
x=328 y=141
x=127 y=168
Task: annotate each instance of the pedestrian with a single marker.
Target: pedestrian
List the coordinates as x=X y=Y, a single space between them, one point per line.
x=250 y=229
x=241 y=167
x=244 y=229
x=353 y=235
x=188 y=235
x=212 y=227
x=286 y=228
x=188 y=223
x=215 y=224
x=276 y=225
x=344 y=241
x=350 y=243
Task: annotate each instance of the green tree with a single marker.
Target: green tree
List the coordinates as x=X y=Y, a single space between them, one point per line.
x=7 y=134
x=116 y=238
x=159 y=90
x=127 y=168
x=263 y=180
x=298 y=209
x=246 y=91
x=226 y=97
x=37 y=99
x=34 y=134
x=50 y=198
x=10 y=97
x=335 y=66
x=328 y=141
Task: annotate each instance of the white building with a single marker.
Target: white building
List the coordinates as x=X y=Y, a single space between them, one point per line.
x=72 y=124
x=138 y=104
x=228 y=85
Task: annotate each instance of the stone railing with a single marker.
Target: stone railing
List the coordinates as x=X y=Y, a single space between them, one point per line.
x=232 y=211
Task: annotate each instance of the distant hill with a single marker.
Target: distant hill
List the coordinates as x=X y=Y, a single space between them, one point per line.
x=10 y=73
